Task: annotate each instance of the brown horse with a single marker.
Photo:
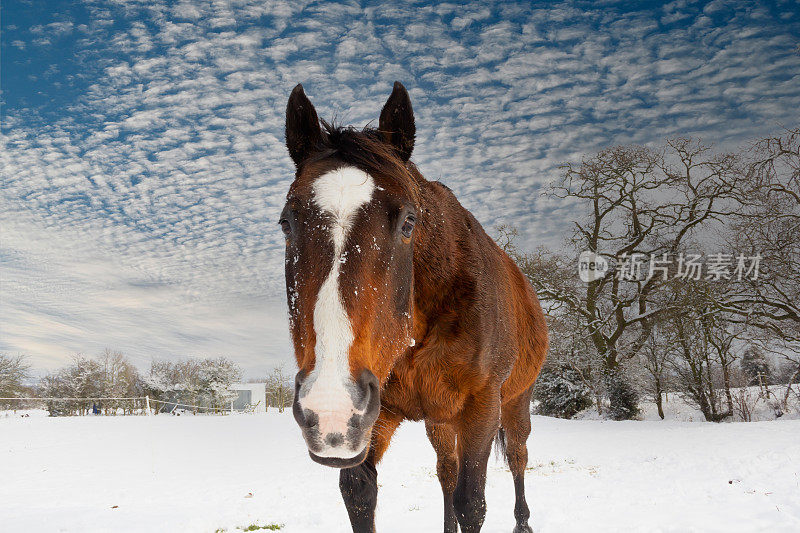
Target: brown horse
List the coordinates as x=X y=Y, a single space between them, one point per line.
x=402 y=307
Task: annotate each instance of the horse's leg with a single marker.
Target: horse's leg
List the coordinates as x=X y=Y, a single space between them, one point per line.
x=478 y=426
x=443 y=438
x=516 y=423
x=359 y=485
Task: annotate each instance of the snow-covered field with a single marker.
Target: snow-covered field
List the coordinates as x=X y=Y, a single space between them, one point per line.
x=678 y=408
x=204 y=473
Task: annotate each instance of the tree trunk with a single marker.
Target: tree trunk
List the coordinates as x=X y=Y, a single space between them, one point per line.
x=659 y=391
x=660 y=404
x=789 y=388
x=705 y=408
x=726 y=378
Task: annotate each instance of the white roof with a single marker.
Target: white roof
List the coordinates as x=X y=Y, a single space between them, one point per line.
x=255 y=387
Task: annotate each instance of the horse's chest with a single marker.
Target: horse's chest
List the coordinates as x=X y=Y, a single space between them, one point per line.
x=423 y=388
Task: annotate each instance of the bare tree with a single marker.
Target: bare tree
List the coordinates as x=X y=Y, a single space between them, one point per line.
x=705 y=343
x=787 y=352
x=506 y=237
x=655 y=359
x=120 y=380
x=633 y=202
x=769 y=225
x=280 y=391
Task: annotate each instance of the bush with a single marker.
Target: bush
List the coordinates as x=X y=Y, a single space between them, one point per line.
x=560 y=392
x=623 y=399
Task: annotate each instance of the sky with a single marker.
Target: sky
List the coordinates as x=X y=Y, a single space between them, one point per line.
x=143 y=167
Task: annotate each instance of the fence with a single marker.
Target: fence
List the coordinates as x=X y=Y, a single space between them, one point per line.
x=148 y=405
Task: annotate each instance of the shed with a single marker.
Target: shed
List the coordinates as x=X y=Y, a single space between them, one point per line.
x=250 y=394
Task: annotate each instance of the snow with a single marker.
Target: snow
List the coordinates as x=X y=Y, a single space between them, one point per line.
x=202 y=473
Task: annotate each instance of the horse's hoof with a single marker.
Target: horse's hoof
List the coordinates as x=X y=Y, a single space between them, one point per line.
x=523 y=528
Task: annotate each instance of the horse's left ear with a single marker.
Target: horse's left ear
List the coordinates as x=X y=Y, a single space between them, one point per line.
x=397 y=122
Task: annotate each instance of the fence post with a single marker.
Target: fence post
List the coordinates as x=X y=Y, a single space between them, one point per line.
x=147 y=405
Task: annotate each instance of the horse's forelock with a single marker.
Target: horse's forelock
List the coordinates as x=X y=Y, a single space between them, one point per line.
x=367 y=150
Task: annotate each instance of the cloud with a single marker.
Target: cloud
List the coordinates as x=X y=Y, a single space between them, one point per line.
x=140 y=201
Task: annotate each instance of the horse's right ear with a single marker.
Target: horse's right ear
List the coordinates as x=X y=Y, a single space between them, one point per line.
x=303 y=133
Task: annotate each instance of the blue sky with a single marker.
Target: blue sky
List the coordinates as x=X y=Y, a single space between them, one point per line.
x=143 y=167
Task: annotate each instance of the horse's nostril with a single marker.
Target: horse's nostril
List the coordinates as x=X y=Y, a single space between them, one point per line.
x=298 y=381
x=371 y=398
x=367 y=390
x=311 y=418
x=334 y=439
x=368 y=379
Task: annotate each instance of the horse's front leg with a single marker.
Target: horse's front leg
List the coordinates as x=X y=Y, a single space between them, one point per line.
x=359 y=484
x=443 y=439
x=478 y=425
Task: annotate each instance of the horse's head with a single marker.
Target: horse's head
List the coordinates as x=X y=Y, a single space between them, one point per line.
x=349 y=225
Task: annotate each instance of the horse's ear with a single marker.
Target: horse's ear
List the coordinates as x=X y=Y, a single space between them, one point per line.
x=303 y=133
x=397 y=122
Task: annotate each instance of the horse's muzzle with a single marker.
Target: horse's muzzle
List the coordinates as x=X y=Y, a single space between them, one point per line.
x=336 y=420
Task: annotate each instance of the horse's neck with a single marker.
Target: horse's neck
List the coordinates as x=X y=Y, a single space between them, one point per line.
x=436 y=253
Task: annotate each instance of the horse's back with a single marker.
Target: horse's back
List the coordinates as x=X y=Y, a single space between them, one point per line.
x=531 y=333
x=519 y=338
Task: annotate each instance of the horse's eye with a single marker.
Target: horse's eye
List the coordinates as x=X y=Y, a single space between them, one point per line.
x=408 y=226
x=287 y=229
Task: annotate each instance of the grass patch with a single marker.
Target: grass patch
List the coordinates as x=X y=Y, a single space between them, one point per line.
x=268 y=527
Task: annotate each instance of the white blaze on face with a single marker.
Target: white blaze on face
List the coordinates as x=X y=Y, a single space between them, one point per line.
x=340 y=193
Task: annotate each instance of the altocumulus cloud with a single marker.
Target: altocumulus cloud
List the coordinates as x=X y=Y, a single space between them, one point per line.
x=143 y=165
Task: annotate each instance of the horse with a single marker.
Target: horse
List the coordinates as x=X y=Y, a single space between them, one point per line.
x=401 y=307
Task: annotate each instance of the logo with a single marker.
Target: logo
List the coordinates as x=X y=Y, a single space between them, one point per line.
x=591 y=266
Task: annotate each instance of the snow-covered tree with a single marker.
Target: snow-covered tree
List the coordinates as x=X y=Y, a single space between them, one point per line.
x=81 y=379
x=109 y=375
x=623 y=398
x=205 y=383
x=216 y=377
x=13 y=373
x=561 y=392
x=120 y=380
x=175 y=382
x=756 y=366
